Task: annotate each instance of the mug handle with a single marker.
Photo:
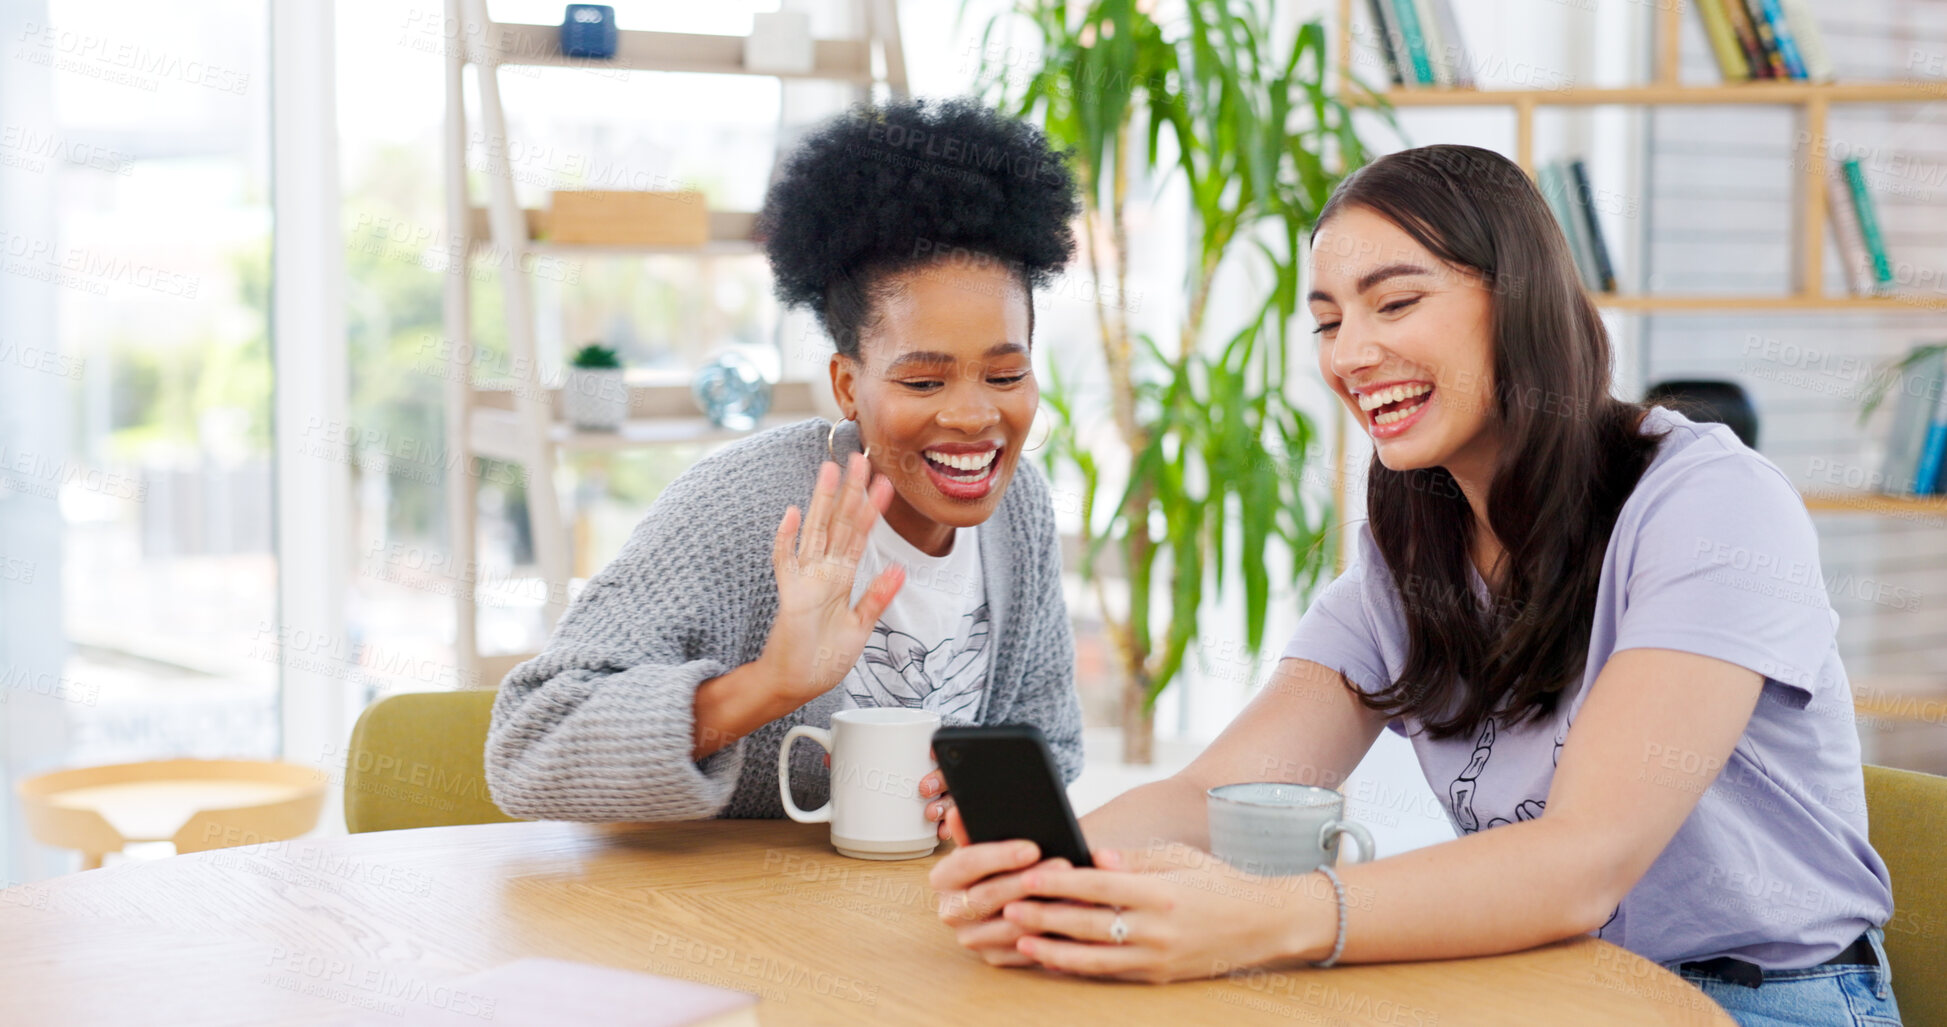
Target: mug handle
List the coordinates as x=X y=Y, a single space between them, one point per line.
x=823 y=814
x=1347 y=827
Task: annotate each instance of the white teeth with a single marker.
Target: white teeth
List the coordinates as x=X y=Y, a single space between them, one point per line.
x=1397 y=415
x=963 y=461
x=1375 y=400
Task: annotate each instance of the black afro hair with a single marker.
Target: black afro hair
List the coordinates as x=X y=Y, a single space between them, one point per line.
x=889 y=187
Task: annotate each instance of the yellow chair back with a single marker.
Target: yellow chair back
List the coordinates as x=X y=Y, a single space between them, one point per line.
x=419 y=760
x=1907 y=819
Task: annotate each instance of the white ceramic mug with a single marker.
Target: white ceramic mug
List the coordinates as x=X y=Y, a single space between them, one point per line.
x=1277 y=829
x=879 y=755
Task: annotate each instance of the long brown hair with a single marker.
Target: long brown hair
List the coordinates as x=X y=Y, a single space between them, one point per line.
x=1571 y=454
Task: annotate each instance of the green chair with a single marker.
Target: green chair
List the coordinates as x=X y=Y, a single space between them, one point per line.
x=419 y=760
x=1907 y=818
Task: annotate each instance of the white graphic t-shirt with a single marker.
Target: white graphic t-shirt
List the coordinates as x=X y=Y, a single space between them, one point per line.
x=930 y=648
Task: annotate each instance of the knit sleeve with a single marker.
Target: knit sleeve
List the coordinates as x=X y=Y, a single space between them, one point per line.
x=600 y=725
x=1047 y=696
x=1054 y=677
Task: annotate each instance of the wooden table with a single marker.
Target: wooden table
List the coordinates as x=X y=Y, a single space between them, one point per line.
x=322 y=930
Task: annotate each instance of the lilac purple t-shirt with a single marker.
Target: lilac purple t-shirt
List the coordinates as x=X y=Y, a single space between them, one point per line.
x=1713 y=554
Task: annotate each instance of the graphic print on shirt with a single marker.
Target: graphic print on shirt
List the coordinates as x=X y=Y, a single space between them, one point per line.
x=898 y=670
x=1460 y=794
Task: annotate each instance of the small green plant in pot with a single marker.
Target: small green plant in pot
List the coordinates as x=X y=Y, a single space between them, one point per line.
x=595 y=397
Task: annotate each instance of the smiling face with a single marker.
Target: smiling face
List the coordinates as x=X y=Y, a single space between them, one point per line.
x=944 y=394
x=1407 y=343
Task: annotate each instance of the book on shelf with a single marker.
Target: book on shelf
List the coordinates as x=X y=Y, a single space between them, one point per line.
x=1847 y=240
x=1919 y=419
x=1605 y=272
x=1811 y=45
x=1755 y=64
x=1731 y=62
x=1415 y=37
x=1928 y=479
x=1549 y=179
x=1453 y=51
x=1435 y=45
x=1782 y=38
x=1419 y=40
x=1564 y=184
x=1392 y=43
x=1862 y=208
x=1767 y=40
x=1759 y=39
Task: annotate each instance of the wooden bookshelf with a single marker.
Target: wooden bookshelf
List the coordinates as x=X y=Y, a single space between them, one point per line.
x=730 y=235
x=1891 y=303
x=514 y=44
x=1910 y=507
x=522 y=422
x=1759 y=92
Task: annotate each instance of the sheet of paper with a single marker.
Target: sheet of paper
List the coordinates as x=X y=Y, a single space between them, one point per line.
x=536 y=992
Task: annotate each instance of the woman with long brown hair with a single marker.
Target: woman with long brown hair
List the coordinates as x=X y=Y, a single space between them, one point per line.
x=1602 y=625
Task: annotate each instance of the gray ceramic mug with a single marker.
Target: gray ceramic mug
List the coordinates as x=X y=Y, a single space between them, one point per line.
x=1276 y=830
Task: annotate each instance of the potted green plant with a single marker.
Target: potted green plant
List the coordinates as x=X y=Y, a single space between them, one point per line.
x=595 y=397
x=1226 y=99
x=1886 y=377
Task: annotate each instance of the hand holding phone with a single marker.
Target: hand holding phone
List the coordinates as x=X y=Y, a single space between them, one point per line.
x=1004 y=781
x=1007 y=794
x=1006 y=789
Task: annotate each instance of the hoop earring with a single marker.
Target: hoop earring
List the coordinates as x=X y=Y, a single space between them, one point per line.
x=1049 y=434
x=832 y=436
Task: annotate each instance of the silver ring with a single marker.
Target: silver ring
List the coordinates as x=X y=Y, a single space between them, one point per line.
x=1118 y=931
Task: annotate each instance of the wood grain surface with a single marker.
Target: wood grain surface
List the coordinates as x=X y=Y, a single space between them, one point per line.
x=328 y=930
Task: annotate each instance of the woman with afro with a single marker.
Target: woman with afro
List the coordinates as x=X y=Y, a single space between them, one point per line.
x=904 y=556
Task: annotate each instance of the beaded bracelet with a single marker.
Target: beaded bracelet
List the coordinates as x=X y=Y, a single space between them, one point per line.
x=1338 y=943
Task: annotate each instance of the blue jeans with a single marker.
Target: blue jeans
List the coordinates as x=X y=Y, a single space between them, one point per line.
x=1817 y=996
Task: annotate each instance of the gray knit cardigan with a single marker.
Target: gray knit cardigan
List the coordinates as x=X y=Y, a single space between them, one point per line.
x=599 y=725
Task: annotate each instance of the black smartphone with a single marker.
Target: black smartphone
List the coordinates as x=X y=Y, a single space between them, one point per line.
x=1004 y=780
